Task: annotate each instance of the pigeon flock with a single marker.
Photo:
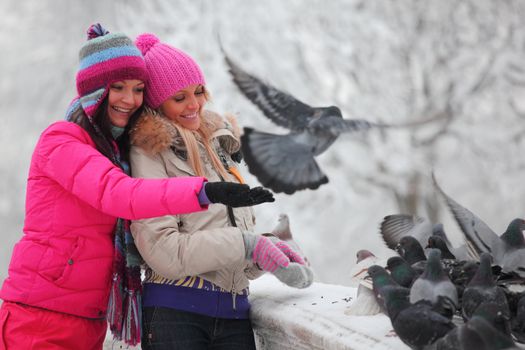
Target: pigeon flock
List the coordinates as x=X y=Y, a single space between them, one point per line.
x=442 y=297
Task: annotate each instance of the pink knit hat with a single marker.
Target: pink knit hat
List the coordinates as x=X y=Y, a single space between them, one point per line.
x=169 y=69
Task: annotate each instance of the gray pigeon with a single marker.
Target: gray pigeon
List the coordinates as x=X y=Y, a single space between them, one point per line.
x=434 y=285
x=437 y=242
x=508 y=250
x=492 y=338
x=380 y=279
x=411 y=250
x=518 y=321
x=417 y=325
x=401 y=271
x=477 y=334
x=286 y=163
x=283 y=232
x=483 y=289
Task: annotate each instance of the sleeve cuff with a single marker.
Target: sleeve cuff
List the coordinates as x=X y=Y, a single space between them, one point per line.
x=203 y=198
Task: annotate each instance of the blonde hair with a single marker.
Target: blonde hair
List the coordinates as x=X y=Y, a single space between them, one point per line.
x=192 y=147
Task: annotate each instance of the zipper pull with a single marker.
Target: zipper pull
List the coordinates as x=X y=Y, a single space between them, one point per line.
x=234 y=295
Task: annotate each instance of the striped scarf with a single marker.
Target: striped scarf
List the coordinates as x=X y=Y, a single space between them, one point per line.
x=125 y=304
x=124 y=308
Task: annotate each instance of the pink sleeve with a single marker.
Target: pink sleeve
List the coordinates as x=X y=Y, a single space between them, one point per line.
x=67 y=155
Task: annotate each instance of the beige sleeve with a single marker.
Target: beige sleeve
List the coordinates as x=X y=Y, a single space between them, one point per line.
x=171 y=253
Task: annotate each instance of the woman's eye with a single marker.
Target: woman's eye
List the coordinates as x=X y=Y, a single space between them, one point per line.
x=178 y=98
x=139 y=90
x=199 y=92
x=117 y=87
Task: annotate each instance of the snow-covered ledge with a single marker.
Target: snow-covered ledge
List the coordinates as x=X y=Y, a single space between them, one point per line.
x=314 y=318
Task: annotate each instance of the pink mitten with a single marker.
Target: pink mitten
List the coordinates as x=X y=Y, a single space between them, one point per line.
x=264 y=252
x=290 y=253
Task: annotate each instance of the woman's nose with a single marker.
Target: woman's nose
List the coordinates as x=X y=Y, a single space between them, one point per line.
x=193 y=103
x=128 y=97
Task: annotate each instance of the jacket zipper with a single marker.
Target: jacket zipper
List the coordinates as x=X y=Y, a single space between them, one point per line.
x=233 y=222
x=234 y=293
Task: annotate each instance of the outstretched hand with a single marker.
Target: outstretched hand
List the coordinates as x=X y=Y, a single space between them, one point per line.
x=236 y=195
x=281 y=260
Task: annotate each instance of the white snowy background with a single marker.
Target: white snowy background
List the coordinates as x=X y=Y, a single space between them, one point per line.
x=380 y=60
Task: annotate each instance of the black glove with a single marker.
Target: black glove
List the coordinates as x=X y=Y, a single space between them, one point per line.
x=236 y=195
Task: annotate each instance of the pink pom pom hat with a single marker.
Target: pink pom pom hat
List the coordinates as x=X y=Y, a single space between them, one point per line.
x=169 y=69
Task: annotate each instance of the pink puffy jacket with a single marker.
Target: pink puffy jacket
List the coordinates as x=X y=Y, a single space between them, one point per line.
x=74 y=196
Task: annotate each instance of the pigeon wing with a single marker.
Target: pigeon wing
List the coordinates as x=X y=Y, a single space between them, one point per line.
x=396 y=226
x=280 y=107
x=478 y=235
x=334 y=124
x=280 y=163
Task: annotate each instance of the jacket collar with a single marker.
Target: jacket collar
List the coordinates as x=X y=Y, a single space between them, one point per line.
x=155 y=133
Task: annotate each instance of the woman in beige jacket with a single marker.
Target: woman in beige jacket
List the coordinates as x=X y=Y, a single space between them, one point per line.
x=198 y=265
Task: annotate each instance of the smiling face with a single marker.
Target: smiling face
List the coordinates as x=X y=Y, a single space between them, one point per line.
x=124 y=98
x=184 y=106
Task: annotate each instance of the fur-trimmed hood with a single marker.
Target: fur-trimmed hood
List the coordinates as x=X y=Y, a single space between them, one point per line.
x=155 y=133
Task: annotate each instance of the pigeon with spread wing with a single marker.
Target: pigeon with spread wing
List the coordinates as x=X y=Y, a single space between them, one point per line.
x=286 y=163
x=507 y=249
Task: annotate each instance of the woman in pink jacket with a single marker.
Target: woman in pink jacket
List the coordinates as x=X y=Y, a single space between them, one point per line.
x=76 y=255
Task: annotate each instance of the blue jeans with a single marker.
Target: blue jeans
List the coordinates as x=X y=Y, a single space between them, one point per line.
x=165 y=328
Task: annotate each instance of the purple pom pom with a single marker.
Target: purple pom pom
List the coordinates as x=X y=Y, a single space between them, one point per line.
x=145 y=42
x=96 y=30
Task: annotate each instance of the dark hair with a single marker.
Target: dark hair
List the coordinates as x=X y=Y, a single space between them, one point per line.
x=101 y=134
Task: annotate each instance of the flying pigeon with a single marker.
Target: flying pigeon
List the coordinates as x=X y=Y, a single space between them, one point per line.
x=283 y=232
x=286 y=163
x=482 y=289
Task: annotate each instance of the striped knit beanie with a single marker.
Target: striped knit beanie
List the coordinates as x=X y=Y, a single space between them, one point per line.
x=169 y=69
x=104 y=59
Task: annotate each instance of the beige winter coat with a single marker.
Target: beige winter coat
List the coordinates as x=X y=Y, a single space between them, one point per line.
x=201 y=244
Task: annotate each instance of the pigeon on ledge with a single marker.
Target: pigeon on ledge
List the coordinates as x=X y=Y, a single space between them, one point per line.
x=483 y=289
x=435 y=286
x=283 y=232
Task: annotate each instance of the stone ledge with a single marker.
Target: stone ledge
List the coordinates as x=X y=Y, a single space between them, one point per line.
x=314 y=318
